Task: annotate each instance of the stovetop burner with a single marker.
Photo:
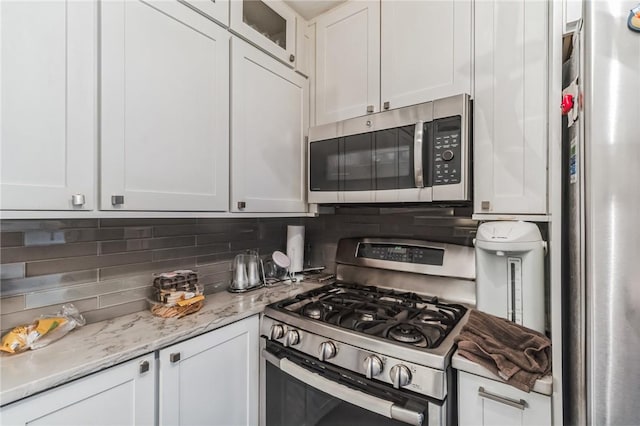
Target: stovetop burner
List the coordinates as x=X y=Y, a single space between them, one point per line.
x=403 y=317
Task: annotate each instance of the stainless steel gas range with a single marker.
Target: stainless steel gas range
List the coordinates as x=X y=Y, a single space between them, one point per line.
x=374 y=347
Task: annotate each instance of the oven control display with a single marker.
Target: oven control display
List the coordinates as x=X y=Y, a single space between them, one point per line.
x=401 y=253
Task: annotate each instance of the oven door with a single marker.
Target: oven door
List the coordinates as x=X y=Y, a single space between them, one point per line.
x=298 y=390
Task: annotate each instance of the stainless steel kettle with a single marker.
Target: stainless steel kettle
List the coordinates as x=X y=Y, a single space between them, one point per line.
x=248 y=272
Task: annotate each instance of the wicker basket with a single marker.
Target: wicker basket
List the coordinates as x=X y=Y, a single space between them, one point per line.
x=176 y=311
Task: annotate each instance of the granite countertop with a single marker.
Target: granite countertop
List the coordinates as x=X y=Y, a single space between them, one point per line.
x=543 y=385
x=100 y=345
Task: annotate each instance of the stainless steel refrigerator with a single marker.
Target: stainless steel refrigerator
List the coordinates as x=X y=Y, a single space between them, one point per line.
x=602 y=213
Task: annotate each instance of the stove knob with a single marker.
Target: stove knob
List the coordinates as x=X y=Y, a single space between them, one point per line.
x=372 y=366
x=400 y=376
x=277 y=332
x=293 y=338
x=327 y=351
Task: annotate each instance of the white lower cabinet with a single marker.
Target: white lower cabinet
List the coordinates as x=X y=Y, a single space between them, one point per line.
x=268 y=120
x=120 y=395
x=212 y=379
x=486 y=402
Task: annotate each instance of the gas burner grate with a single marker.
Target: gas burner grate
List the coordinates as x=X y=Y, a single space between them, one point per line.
x=402 y=317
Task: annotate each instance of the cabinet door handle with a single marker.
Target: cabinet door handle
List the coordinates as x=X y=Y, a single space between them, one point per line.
x=386 y=105
x=369 y=108
x=144 y=366
x=117 y=199
x=77 y=200
x=174 y=357
x=485 y=205
x=519 y=404
x=292 y=58
x=241 y=205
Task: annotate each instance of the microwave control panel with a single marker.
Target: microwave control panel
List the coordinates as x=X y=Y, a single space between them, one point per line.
x=447 y=151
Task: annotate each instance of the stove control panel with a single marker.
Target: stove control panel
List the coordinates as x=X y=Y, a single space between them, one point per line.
x=373 y=365
x=401 y=253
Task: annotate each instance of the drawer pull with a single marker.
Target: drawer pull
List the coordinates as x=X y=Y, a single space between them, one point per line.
x=144 y=366
x=174 y=357
x=521 y=404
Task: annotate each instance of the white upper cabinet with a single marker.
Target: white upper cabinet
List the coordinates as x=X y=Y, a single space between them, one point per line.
x=165 y=108
x=510 y=107
x=48 y=112
x=212 y=379
x=215 y=9
x=269 y=24
x=425 y=50
x=373 y=55
x=348 y=61
x=269 y=104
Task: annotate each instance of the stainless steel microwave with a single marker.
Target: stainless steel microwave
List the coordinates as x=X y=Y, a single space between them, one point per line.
x=419 y=153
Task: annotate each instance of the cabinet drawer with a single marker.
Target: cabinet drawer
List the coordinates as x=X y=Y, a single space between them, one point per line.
x=487 y=402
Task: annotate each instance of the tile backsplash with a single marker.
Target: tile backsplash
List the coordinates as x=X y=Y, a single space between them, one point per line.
x=104 y=266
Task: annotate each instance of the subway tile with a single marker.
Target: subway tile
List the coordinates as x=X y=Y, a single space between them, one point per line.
x=51 y=237
x=24 y=225
x=44 y=238
x=126 y=222
x=122 y=297
x=214 y=268
x=27 y=316
x=69 y=293
x=249 y=234
x=11 y=239
x=26 y=254
x=46 y=267
x=12 y=304
x=9 y=287
x=197 y=229
x=214 y=258
x=76 y=235
x=63 y=295
x=120 y=246
x=146 y=244
x=175 y=253
x=208 y=279
x=138 y=232
x=10 y=271
x=227 y=220
x=115 y=311
x=148 y=268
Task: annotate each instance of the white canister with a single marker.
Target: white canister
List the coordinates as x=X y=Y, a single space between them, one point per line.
x=295 y=247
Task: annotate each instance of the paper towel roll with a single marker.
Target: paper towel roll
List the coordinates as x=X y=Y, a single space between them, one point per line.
x=295 y=247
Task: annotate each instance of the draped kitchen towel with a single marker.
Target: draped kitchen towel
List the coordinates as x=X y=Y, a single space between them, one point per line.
x=515 y=353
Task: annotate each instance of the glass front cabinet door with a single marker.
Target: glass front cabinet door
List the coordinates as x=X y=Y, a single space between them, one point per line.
x=270 y=25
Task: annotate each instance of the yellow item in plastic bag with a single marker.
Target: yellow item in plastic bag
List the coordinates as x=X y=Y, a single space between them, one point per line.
x=42 y=331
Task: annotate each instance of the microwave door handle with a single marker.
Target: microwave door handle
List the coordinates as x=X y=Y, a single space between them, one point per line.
x=418 y=138
x=347 y=394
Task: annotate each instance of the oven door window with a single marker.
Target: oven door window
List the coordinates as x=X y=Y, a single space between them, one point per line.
x=393 y=158
x=292 y=400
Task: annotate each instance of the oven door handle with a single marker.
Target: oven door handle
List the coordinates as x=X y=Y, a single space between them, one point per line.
x=345 y=393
